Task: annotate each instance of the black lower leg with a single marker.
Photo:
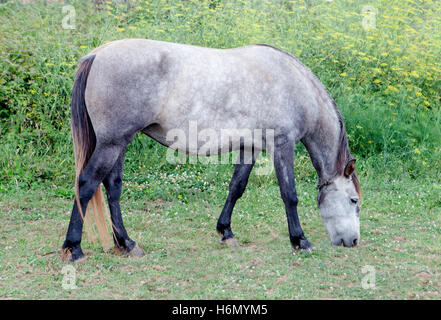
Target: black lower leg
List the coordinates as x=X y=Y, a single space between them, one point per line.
x=113 y=185
x=72 y=243
x=237 y=187
x=99 y=165
x=87 y=188
x=284 y=167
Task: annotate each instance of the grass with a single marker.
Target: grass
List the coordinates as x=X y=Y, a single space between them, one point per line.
x=385 y=80
x=400 y=232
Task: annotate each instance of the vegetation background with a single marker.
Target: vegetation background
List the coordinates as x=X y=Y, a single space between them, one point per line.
x=380 y=60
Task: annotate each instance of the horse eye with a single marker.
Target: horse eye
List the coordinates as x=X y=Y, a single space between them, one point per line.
x=354 y=200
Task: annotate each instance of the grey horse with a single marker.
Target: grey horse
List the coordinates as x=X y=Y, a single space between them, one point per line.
x=154 y=87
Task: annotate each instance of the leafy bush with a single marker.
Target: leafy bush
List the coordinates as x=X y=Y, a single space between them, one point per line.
x=385 y=79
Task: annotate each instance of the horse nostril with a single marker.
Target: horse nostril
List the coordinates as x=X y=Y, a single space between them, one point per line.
x=354 y=242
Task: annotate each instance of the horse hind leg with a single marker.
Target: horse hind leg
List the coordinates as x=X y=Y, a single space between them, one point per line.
x=237 y=187
x=113 y=184
x=98 y=167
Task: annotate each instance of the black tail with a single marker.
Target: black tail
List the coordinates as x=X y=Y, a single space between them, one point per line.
x=82 y=131
x=84 y=141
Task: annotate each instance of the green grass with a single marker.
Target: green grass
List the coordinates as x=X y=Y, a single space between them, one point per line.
x=385 y=80
x=400 y=232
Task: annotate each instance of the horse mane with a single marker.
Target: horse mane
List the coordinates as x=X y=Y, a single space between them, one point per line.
x=343 y=152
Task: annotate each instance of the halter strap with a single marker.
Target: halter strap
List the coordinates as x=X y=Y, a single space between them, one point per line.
x=323 y=184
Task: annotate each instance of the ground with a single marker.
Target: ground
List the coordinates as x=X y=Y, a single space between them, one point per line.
x=399 y=249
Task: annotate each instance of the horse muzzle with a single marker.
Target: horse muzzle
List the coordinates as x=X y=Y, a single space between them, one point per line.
x=347 y=242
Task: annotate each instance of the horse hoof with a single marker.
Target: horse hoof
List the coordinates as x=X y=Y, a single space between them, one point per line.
x=232 y=242
x=304 y=246
x=136 y=252
x=67 y=256
x=306 y=250
x=81 y=260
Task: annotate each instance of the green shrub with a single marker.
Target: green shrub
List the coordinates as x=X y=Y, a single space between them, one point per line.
x=386 y=80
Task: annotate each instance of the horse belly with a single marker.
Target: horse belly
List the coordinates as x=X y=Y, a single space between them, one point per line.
x=205 y=141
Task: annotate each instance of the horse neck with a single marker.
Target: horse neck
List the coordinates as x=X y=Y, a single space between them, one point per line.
x=323 y=144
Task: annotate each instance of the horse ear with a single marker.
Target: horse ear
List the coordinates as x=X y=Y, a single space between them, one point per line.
x=350 y=167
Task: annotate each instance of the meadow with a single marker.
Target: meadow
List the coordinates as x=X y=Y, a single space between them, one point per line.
x=380 y=61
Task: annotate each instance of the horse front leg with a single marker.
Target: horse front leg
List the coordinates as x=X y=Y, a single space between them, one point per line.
x=284 y=167
x=237 y=186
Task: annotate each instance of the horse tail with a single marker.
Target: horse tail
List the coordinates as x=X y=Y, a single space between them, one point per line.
x=84 y=140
